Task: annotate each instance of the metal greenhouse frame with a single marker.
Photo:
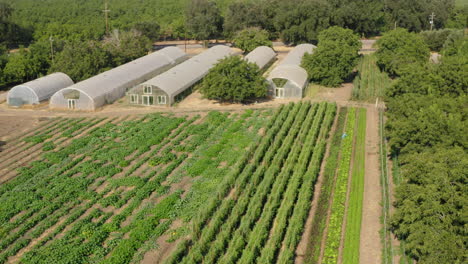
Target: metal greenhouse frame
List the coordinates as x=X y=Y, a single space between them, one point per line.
x=38 y=90
x=289 y=79
x=166 y=87
x=111 y=85
x=263 y=56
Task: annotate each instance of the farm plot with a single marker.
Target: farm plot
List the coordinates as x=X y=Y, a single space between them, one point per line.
x=258 y=213
x=370 y=83
x=335 y=231
x=100 y=189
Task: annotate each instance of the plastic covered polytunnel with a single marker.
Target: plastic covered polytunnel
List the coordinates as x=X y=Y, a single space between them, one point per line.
x=111 y=85
x=263 y=56
x=172 y=85
x=289 y=79
x=38 y=90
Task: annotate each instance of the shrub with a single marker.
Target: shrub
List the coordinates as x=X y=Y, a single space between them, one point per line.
x=235 y=80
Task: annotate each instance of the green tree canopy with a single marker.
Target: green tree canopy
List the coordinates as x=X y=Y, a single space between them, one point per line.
x=242 y=15
x=81 y=60
x=250 y=38
x=234 y=80
x=126 y=46
x=335 y=57
x=431 y=206
x=204 y=20
x=398 y=48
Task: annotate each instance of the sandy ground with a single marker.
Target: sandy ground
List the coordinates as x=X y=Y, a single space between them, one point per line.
x=370 y=244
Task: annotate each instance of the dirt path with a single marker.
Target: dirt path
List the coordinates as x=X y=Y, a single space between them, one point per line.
x=370 y=244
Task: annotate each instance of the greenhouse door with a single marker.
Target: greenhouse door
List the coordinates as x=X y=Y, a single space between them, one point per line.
x=148 y=100
x=71 y=103
x=279 y=92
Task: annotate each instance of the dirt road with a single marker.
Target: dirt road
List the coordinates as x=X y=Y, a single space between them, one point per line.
x=370 y=245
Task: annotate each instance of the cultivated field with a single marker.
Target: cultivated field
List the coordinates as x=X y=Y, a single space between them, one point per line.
x=203 y=188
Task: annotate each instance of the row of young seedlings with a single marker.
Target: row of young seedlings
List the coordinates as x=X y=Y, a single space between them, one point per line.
x=13 y=144
x=333 y=239
x=32 y=142
x=54 y=143
x=286 y=183
x=237 y=241
x=319 y=220
x=60 y=194
x=239 y=177
x=356 y=194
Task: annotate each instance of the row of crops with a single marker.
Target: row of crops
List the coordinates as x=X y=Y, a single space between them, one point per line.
x=258 y=214
x=100 y=189
x=337 y=221
x=371 y=82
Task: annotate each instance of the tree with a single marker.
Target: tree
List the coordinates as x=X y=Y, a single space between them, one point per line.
x=149 y=29
x=203 y=19
x=365 y=17
x=234 y=80
x=21 y=67
x=81 y=60
x=398 y=48
x=335 y=57
x=413 y=15
x=5 y=11
x=431 y=206
x=241 y=15
x=301 y=21
x=126 y=46
x=250 y=38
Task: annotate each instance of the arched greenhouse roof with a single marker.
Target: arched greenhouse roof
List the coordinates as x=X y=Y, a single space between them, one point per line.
x=290 y=67
x=111 y=85
x=261 y=56
x=38 y=90
x=294 y=57
x=186 y=74
x=295 y=74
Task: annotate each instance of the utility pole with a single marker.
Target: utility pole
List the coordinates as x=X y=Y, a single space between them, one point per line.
x=51 y=39
x=431 y=20
x=106 y=14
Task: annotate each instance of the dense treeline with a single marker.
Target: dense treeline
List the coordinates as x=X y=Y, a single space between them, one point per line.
x=81 y=25
x=427 y=130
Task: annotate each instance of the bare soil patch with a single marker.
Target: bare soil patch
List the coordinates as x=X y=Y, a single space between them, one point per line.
x=370 y=244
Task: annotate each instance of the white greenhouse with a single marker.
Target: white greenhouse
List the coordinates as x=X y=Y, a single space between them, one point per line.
x=111 y=85
x=263 y=56
x=174 y=84
x=38 y=90
x=289 y=79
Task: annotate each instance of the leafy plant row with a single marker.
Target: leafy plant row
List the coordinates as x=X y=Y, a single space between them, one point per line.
x=319 y=221
x=356 y=194
x=334 y=234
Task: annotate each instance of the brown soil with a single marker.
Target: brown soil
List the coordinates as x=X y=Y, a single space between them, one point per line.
x=370 y=244
x=164 y=248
